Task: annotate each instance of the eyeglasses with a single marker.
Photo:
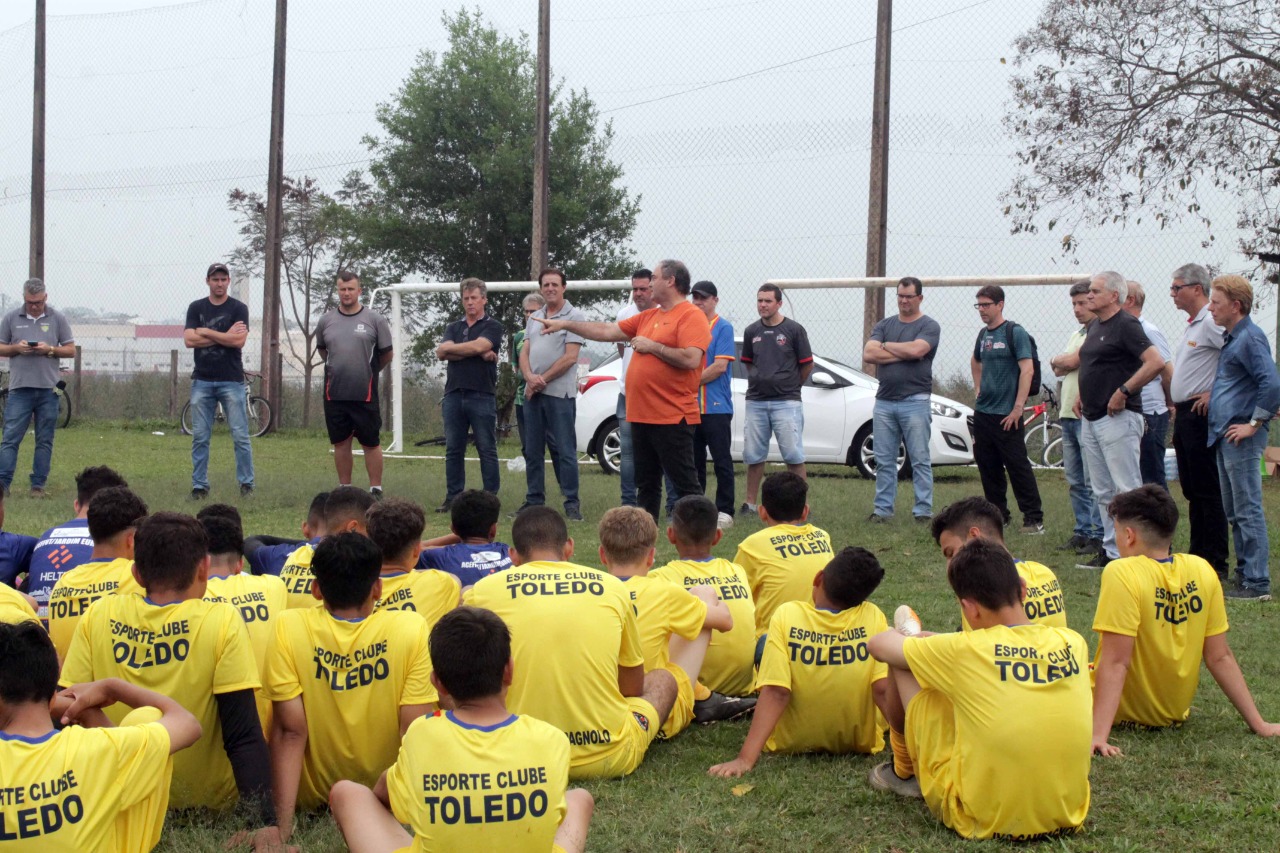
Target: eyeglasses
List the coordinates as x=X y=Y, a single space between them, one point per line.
x=1174 y=288
x=984 y=305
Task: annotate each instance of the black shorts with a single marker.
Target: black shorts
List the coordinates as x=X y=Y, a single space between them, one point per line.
x=346 y=418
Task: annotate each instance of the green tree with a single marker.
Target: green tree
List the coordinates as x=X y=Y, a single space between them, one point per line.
x=319 y=237
x=1126 y=107
x=453 y=176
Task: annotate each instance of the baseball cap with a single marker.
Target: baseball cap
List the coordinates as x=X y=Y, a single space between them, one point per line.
x=217 y=267
x=705 y=288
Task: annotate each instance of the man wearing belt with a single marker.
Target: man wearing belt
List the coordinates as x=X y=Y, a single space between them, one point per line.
x=1195 y=363
x=1246 y=394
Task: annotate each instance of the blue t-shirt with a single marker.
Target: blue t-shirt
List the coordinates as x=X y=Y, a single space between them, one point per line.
x=58 y=550
x=468 y=563
x=15 y=555
x=270 y=559
x=716 y=397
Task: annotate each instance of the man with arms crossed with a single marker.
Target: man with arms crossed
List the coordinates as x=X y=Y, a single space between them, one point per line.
x=776 y=352
x=902 y=348
x=1195 y=363
x=217 y=327
x=470 y=349
x=355 y=343
x=1246 y=394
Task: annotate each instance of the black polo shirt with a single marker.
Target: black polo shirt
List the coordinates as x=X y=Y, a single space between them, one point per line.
x=474 y=373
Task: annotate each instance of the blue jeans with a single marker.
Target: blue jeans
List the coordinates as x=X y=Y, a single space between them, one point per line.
x=1241 y=479
x=550 y=419
x=896 y=422
x=1111 y=452
x=462 y=411
x=22 y=404
x=627 y=460
x=1152 y=454
x=783 y=418
x=205 y=397
x=1083 y=506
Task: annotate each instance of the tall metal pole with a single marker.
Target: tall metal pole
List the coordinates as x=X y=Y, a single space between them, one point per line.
x=275 y=181
x=36 y=261
x=878 y=193
x=541 y=141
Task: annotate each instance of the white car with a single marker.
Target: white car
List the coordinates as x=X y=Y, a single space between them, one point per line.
x=838 y=406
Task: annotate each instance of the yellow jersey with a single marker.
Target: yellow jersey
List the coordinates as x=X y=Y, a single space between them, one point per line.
x=258 y=599
x=1043 y=603
x=190 y=651
x=729 y=667
x=821 y=657
x=571 y=628
x=297 y=577
x=1169 y=607
x=1021 y=709
x=466 y=787
x=80 y=587
x=662 y=609
x=430 y=593
x=353 y=677
x=91 y=790
x=13 y=607
x=781 y=563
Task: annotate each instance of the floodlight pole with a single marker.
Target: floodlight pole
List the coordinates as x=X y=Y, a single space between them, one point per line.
x=36 y=260
x=878 y=192
x=271 y=266
x=541 y=142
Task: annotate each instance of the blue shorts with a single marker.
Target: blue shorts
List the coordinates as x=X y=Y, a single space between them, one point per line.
x=785 y=420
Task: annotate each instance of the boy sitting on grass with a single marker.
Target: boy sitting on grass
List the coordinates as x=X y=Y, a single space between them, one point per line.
x=477 y=776
x=81 y=788
x=576 y=650
x=114 y=515
x=675 y=624
x=198 y=652
x=997 y=717
x=344 y=512
x=782 y=560
x=267 y=555
x=1159 y=614
x=472 y=552
x=345 y=680
x=395 y=525
x=730 y=665
x=819 y=687
x=978 y=518
x=259 y=599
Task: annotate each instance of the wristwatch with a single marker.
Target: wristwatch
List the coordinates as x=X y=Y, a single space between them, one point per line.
x=1124 y=389
x=1255 y=423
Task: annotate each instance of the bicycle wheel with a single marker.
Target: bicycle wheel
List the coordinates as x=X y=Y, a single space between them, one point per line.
x=64 y=409
x=1053 y=453
x=259 y=416
x=4 y=398
x=184 y=419
x=1040 y=440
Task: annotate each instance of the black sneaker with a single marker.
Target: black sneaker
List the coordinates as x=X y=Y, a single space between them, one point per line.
x=747 y=509
x=520 y=509
x=718 y=707
x=1075 y=543
x=447 y=504
x=246 y=490
x=198 y=494
x=877 y=518
x=923 y=519
x=1099 y=561
x=375 y=492
x=573 y=513
x=1090 y=546
x=1241 y=593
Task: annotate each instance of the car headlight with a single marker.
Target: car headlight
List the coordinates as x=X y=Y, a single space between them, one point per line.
x=944 y=411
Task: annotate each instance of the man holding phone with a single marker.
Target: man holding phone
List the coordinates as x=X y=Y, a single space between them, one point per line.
x=33 y=338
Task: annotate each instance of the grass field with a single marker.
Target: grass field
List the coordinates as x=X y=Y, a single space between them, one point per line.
x=1209 y=785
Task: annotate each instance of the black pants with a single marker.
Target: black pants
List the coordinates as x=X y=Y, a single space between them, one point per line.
x=997 y=450
x=715 y=433
x=662 y=449
x=1198 y=474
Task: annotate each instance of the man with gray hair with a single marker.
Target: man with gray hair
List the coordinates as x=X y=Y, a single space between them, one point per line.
x=1116 y=360
x=1155 y=395
x=33 y=337
x=1195 y=363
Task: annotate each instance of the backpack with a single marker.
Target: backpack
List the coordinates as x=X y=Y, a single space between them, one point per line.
x=1009 y=326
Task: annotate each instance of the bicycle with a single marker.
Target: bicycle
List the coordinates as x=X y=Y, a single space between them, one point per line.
x=1043 y=432
x=258 y=410
x=59 y=390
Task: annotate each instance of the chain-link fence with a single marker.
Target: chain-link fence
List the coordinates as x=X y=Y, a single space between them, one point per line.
x=741 y=127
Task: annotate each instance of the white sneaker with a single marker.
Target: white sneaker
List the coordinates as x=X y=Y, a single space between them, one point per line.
x=724 y=522
x=905 y=621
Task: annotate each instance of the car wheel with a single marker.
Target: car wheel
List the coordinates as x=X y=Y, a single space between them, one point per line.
x=864 y=456
x=608 y=445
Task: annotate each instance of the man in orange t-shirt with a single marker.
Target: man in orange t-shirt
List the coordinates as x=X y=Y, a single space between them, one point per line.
x=669 y=342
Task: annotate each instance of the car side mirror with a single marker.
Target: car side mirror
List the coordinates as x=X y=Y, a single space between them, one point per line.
x=824 y=380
